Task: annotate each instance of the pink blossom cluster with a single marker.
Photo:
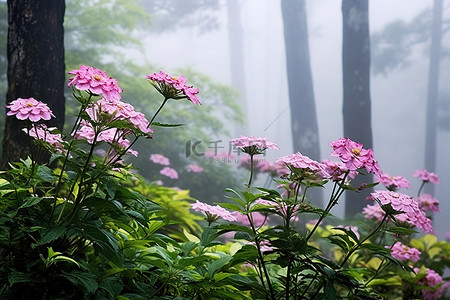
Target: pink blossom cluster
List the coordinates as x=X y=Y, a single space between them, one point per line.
x=173 y=87
x=213 y=212
x=410 y=208
x=96 y=81
x=112 y=136
x=426 y=176
x=258 y=218
x=431 y=279
x=354 y=156
x=253 y=145
x=120 y=111
x=337 y=170
x=219 y=155
x=159 y=159
x=194 y=168
x=403 y=252
x=169 y=172
x=374 y=211
x=393 y=183
x=41 y=132
x=30 y=109
x=428 y=203
x=304 y=163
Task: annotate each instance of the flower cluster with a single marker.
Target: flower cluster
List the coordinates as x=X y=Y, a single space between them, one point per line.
x=337 y=170
x=96 y=81
x=303 y=164
x=431 y=279
x=354 y=156
x=193 y=168
x=169 y=172
x=159 y=159
x=426 y=176
x=173 y=87
x=393 y=183
x=41 y=132
x=403 y=252
x=212 y=213
x=408 y=208
x=428 y=203
x=253 y=145
x=29 y=109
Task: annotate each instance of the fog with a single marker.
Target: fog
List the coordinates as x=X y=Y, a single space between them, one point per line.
x=398 y=99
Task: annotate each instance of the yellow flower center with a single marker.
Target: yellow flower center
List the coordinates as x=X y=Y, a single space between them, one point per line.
x=175 y=78
x=30 y=104
x=394 y=195
x=356 y=151
x=97 y=77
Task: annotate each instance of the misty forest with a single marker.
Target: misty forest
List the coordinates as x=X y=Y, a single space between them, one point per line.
x=224 y=149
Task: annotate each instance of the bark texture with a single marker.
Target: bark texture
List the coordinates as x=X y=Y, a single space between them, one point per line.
x=35 y=52
x=356 y=86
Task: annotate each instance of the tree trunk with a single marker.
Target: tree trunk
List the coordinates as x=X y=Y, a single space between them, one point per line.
x=35 y=52
x=433 y=92
x=237 y=64
x=305 y=131
x=356 y=86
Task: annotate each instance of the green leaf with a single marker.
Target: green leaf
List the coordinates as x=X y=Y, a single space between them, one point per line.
x=166 y=125
x=16 y=277
x=86 y=281
x=217 y=265
x=400 y=230
x=51 y=235
x=231 y=206
x=46 y=174
x=208 y=235
x=30 y=201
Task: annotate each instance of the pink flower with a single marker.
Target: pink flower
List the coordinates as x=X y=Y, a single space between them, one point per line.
x=45 y=134
x=173 y=87
x=393 y=183
x=258 y=218
x=194 y=168
x=253 y=145
x=428 y=203
x=169 y=172
x=95 y=80
x=30 y=109
x=337 y=170
x=447 y=235
x=426 y=176
x=112 y=136
x=213 y=212
x=120 y=111
x=354 y=155
x=410 y=208
x=431 y=279
x=160 y=159
x=374 y=211
x=304 y=164
x=403 y=252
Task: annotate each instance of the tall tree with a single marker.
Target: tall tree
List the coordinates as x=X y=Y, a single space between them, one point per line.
x=433 y=92
x=356 y=86
x=304 y=126
x=305 y=131
x=236 y=50
x=35 y=51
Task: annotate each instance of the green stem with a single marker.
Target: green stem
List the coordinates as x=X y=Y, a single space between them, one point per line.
x=420 y=189
x=251 y=171
x=157 y=112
